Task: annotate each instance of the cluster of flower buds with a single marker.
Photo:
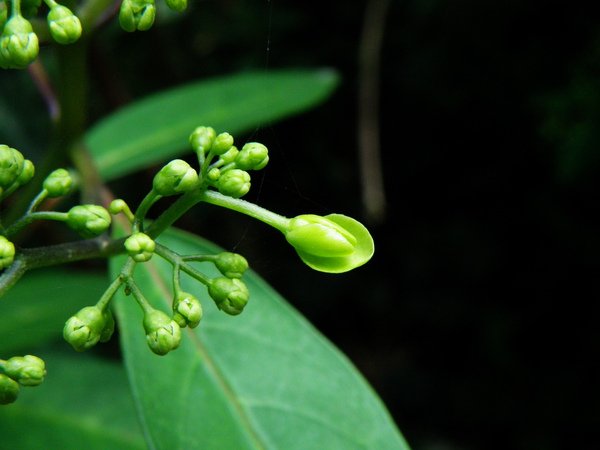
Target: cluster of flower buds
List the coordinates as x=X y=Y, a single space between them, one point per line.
x=19 y=45
x=229 y=173
x=139 y=14
x=19 y=371
x=15 y=171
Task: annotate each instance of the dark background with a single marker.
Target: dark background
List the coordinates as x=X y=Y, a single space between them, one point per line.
x=476 y=321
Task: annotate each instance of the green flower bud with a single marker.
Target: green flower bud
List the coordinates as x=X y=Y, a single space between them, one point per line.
x=334 y=243
x=18 y=44
x=88 y=220
x=234 y=183
x=202 y=139
x=84 y=329
x=27 y=370
x=230 y=295
x=162 y=333
x=9 y=390
x=65 y=27
x=229 y=156
x=26 y=174
x=176 y=5
x=213 y=174
x=176 y=177
x=11 y=165
x=58 y=183
x=223 y=142
x=137 y=15
x=7 y=252
x=187 y=310
x=109 y=325
x=232 y=265
x=140 y=247
x=253 y=156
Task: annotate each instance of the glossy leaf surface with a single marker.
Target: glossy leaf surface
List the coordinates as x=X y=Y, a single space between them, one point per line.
x=263 y=379
x=157 y=128
x=84 y=403
x=36 y=308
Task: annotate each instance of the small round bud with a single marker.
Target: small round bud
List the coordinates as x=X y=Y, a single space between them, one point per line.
x=58 y=183
x=176 y=5
x=162 y=333
x=88 y=220
x=176 y=177
x=18 y=43
x=232 y=265
x=213 y=174
x=9 y=389
x=253 y=156
x=223 y=142
x=65 y=27
x=234 y=183
x=137 y=15
x=7 y=252
x=84 y=329
x=229 y=156
x=109 y=326
x=11 y=165
x=140 y=247
x=27 y=370
x=187 y=310
x=230 y=295
x=117 y=206
x=202 y=139
x=26 y=174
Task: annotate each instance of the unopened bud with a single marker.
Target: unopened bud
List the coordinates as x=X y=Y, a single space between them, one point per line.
x=176 y=177
x=27 y=370
x=232 y=265
x=88 y=220
x=19 y=45
x=187 y=310
x=176 y=5
x=140 y=247
x=202 y=139
x=9 y=389
x=234 y=183
x=253 y=156
x=162 y=333
x=230 y=295
x=58 y=183
x=11 y=165
x=65 y=27
x=84 y=329
x=137 y=15
x=7 y=252
x=223 y=142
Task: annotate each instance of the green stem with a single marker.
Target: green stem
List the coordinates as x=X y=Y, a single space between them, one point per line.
x=140 y=213
x=28 y=218
x=175 y=259
x=250 y=209
x=109 y=293
x=139 y=297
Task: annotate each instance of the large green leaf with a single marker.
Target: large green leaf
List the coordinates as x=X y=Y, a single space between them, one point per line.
x=36 y=308
x=157 y=128
x=84 y=403
x=264 y=379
